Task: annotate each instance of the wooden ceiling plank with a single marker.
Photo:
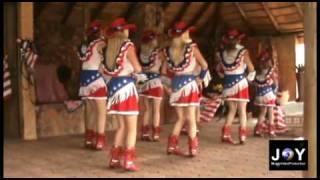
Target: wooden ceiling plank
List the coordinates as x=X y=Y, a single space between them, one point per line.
x=299 y=9
x=274 y=22
x=244 y=17
x=281 y=15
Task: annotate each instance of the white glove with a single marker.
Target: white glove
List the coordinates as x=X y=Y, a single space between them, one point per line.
x=141 y=78
x=251 y=75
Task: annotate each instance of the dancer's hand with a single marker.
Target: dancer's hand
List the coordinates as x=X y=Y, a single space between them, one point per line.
x=140 y=77
x=199 y=83
x=251 y=75
x=102 y=69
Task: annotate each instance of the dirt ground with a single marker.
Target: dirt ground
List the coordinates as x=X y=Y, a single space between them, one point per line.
x=65 y=157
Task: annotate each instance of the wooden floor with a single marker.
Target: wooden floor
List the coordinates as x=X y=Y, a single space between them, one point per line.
x=65 y=157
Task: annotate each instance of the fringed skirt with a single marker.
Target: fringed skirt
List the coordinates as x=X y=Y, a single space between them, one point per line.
x=185 y=91
x=235 y=88
x=92 y=85
x=265 y=97
x=123 y=96
x=153 y=87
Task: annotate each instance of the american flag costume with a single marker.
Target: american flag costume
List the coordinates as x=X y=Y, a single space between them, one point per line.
x=185 y=89
x=123 y=95
x=92 y=84
x=235 y=84
x=265 y=92
x=151 y=64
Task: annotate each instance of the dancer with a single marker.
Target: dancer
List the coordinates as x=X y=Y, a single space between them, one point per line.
x=266 y=85
x=234 y=59
x=152 y=91
x=182 y=57
x=93 y=87
x=122 y=65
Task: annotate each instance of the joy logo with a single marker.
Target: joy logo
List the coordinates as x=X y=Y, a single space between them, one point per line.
x=288 y=154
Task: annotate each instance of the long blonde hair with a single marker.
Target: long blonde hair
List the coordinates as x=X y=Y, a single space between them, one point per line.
x=113 y=47
x=177 y=50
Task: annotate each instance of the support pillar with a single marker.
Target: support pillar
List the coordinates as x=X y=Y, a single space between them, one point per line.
x=310 y=93
x=27 y=90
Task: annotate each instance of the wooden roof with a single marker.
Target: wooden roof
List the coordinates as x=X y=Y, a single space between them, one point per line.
x=255 y=18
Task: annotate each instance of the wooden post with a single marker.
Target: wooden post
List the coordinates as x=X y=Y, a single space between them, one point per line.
x=310 y=103
x=27 y=91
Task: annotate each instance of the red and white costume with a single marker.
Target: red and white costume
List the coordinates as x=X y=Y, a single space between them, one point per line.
x=151 y=65
x=265 y=95
x=92 y=84
x=185 y=89
x=235 y=84
x=123 y=95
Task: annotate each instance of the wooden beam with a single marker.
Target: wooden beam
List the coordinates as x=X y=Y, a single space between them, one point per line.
x=273 y=20
x=216 y=19
x=96 y=12
x=310 y=87
x=199 y=14
x=277 y=34
x=180 y=14
x=299 y=9
x=289 y=14
x=244 y=17
x=130 y=10
x=282 y=7
x=211 y=17
x=39 y=8
x=165 y=5
x=27 y=90
x=292 y=22
x=68 y=12
x=216 y=22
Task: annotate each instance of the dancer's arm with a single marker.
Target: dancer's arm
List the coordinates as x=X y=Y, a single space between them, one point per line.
x=164 y=75
x=204 y=74
x=100 y=47
x=247 y=61
x=132 y=56
x=200 y=59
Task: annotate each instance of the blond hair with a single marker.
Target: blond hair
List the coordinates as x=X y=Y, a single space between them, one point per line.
x=114 y=44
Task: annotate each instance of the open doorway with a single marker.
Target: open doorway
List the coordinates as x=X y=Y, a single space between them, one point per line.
x=300 y=60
